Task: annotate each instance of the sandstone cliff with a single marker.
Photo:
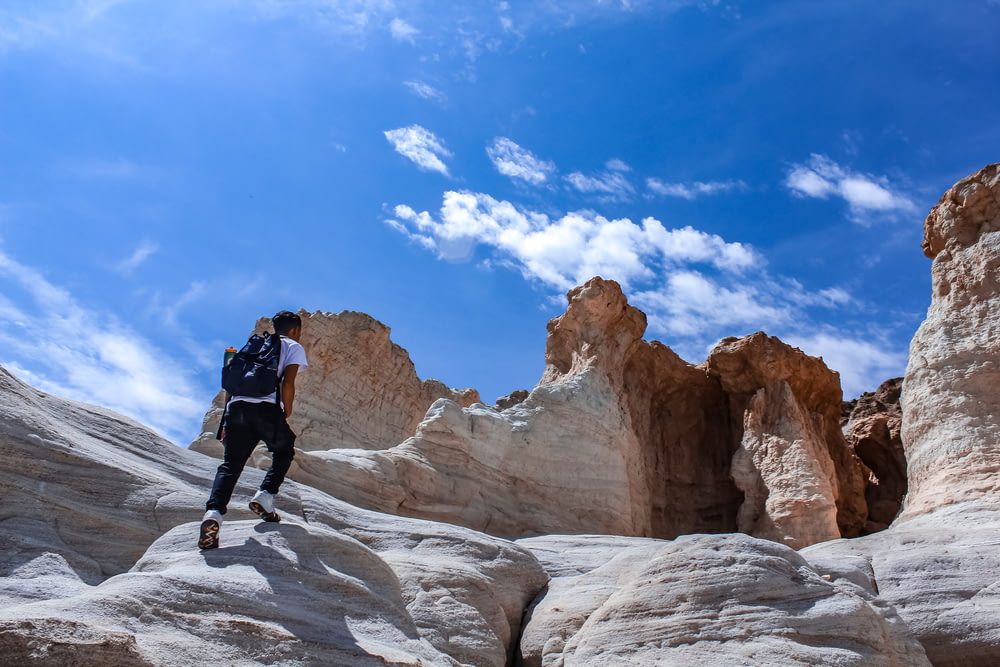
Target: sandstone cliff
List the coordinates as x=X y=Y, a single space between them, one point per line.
x=620 y=436
x=951 y=424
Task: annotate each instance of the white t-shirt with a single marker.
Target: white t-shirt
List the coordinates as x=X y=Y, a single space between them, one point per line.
x=292 y=353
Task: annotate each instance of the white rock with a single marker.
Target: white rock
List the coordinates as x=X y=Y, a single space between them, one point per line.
x=703 y=600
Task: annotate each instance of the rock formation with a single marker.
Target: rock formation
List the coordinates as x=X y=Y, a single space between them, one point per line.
x=951 y=424
x=938 y=560
x=703 y=600
x=620 y=436
x=801 y=482
x=872 y=425
x=360 y=390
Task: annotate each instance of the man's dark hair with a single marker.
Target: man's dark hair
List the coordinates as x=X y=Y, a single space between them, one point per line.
x=285 y=321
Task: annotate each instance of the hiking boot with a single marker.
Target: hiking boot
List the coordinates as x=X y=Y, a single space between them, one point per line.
x=210 y=524
x=263 y=505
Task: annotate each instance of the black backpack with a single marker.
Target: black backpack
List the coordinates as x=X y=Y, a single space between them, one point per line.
x=254 y=369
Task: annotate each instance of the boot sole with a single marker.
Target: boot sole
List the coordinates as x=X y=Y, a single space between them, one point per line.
x=209 y=537
x=259 y=510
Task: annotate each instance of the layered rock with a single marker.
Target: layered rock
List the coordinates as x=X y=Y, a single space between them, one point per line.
x=621 y=436
x=951 y=420
x=704 y=600
x=98 y=563
x=801 y=482
x=618 y=437
x=872 y=425
x=938 y=560
x=938 y=570
x=361 y=390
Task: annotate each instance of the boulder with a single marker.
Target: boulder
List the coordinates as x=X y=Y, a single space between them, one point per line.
x=703 y=600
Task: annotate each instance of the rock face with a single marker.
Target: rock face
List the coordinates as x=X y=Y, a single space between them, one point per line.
x=360 y=390
x=333 y=584
x=98 y=563
x=802 y=484
x=621 y=436
x=703 y=600
x=872 y=426
x=951 y=424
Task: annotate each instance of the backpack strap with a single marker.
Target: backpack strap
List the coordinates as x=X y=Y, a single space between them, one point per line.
x=277 y=385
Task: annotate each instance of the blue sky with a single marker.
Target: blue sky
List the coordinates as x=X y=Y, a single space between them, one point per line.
x=171 y=171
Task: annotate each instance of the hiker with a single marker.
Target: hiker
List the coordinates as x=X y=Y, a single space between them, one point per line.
x=248 y=420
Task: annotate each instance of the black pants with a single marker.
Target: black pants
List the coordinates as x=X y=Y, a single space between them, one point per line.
x=246 y=425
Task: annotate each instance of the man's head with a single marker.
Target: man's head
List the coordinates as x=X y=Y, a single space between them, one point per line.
x=288 y=324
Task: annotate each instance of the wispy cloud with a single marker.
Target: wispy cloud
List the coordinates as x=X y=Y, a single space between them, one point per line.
x=426 y=91
x=402 y=31
x=610 y=184
x=820 y=177
x=66 y=349
x=421 y=146
x=693 y=190
x=138 y=256
x=514 y=161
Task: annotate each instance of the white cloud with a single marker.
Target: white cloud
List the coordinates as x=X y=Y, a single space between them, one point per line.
x=566 y=251
x=611 y=184
x=820 y=177
x=691 y=303
x=138 y=256
x=692 y=190
x=512 y=160
x=421 y=146
x=66 y=349
x=402 y=31
x=426 y=91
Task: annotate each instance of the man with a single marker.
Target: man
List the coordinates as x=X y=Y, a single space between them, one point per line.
x=247 y=421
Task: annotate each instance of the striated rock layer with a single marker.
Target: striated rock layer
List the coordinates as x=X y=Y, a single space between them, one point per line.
x=98 y=563
x=951 y=423
x=621 y=436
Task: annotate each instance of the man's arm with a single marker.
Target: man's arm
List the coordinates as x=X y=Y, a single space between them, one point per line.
x=288 y=388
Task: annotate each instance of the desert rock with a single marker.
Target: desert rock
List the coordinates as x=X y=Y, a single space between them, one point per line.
x=951 y=424
x=622 y=436
x=99 y=565
x=703 y=600
x=872 y=426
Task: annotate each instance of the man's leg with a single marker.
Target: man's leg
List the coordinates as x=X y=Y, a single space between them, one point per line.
x=280 y=442
x=240 y=440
